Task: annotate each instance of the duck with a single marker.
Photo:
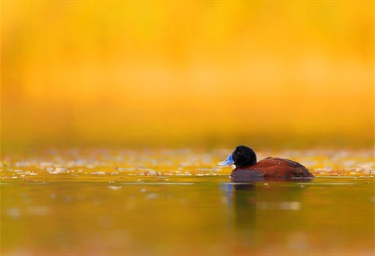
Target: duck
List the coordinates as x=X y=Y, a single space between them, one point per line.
x=248 y=169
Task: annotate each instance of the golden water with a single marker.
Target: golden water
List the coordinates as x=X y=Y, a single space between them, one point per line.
x=178 y=202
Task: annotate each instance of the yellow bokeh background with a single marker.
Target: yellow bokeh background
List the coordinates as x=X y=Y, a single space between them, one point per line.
x=187 y=73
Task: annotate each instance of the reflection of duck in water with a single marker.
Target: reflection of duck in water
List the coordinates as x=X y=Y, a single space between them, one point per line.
x=248 y=169
x=263 y=212
x=244 y=202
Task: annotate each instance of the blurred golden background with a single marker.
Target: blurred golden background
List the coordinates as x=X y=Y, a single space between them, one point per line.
x=187 y=73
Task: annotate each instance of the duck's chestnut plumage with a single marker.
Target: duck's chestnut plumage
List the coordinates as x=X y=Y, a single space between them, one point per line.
x=248 y=169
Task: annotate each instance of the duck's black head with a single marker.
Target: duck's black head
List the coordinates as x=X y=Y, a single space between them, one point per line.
x=242 y=156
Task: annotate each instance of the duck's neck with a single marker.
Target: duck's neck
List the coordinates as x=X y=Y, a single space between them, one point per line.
x=248 y=162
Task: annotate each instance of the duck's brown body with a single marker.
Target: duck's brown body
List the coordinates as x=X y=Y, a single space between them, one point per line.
x=271 y=168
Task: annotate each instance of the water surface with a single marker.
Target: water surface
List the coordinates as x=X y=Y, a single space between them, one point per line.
x=178 y=202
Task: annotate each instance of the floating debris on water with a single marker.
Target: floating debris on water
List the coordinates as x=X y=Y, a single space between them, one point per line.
x=115 y=187
x=121 y=164
x=151 y=196
x=293 y=206
x=99 y=173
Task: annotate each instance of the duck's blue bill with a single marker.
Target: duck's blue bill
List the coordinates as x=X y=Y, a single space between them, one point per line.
x=227 y=161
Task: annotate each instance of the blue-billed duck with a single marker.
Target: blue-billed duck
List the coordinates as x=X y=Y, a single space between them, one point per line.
x=248 y=169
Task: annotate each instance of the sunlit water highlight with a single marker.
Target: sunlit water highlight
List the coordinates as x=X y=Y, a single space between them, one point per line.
x=173 y=202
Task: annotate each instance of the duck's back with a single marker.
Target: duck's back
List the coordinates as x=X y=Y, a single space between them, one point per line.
x=271 y=167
